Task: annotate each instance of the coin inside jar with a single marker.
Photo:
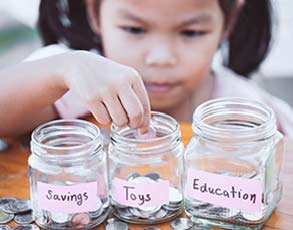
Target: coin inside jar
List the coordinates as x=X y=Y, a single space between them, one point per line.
x=80 y=220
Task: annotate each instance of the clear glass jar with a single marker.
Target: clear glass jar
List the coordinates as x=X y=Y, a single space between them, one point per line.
x=146 y=173
x=233 y=164
x=68 y=175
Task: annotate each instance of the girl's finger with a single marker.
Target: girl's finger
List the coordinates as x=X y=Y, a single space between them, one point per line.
x=132 y=106
x=140 y=91
x=115 y=110
x=100 y=113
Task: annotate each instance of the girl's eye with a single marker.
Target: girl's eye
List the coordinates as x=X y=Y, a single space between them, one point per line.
x=192 y=33
x=133 y=29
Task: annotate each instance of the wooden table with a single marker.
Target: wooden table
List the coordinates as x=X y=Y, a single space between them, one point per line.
x=14 y=182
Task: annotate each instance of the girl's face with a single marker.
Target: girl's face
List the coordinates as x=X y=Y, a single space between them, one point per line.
x=170 y=43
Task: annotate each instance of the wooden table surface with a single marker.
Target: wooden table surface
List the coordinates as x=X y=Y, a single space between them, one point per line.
x=14 y=182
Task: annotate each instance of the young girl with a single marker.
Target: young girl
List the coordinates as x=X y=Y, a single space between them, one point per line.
x=165 y=50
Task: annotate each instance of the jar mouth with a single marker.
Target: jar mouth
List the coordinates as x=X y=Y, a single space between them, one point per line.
x=167 y=131
x=234 y=120
x=66 y=138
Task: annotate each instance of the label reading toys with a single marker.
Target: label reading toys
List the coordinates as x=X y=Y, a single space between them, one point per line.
x=141 y=195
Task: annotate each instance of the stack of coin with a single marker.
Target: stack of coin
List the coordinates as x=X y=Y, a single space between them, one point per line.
x=18 y=210
x=157 y=213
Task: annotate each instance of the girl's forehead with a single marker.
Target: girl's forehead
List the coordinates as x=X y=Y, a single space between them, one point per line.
x=168 y=9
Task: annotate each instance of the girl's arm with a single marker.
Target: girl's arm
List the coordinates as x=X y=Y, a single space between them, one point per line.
x=27 y=93
x=112 y=92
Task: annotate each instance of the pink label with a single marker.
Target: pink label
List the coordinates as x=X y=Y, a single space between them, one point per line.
x=141 y=195
x=68 y=199
x=226 y=191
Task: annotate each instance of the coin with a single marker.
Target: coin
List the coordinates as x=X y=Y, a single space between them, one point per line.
x=250 y=216
x=133 y=175
x=80 y=220
x=159 y=214
x=181 y=223
x=153 y=175
x=150 y=134
x=27 y=227
x=17 y=206
x=59 y=217
x=5 y=217
x=175 y=196
x=111 y=220
x=117 y=225
x=4 y=227
x=24 y=218
x=6 y=200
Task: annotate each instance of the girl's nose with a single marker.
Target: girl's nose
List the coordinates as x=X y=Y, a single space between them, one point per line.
x=161 y=56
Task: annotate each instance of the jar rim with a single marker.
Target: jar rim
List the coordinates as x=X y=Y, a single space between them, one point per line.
x=95 y=139
x=262 y=131
x=122 y=142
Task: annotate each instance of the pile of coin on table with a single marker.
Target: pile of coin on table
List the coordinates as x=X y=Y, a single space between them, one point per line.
x=17 y=210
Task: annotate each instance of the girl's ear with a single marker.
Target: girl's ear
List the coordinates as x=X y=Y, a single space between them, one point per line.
x=233 y=18
x=93 y=17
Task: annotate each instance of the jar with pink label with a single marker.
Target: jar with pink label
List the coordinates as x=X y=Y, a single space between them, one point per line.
x=68 y=175
x=146 y=171
x=232 y=164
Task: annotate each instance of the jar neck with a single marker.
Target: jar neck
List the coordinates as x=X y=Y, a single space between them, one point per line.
x=234 y=120
x=66 y=140
x=167 y=137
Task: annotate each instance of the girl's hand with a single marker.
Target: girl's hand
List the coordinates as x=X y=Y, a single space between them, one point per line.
x=112 y=92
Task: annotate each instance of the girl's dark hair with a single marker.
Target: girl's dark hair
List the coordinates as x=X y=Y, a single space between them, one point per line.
x=249 y=41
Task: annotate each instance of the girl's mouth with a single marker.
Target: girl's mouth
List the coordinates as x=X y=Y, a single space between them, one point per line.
x=159 y=87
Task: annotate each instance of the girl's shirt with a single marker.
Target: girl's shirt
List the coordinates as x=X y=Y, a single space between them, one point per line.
x=226 y=84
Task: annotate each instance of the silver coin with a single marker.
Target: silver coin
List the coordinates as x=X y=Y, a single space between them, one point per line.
x=125 y=213
x=5 y=217
x=175 y=196
x=154 y=176
x=4 y=227
x=112 y=220
x=18 y=206
x=181 y=223
x=27 y=227
x=142 y=179
x=117 y=225
x=159 y=214
x=3 y=146
x=133 y=175
x=201 y=227
x=6 y=200
x=60 y=217
x=97 y=213
x=144 y=213
x=151 y=228
x=250 y=216
x=24 y=218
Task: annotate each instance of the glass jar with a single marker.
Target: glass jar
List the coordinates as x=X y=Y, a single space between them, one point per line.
x=146 y=172
x=233 y=164
x=68 y=175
